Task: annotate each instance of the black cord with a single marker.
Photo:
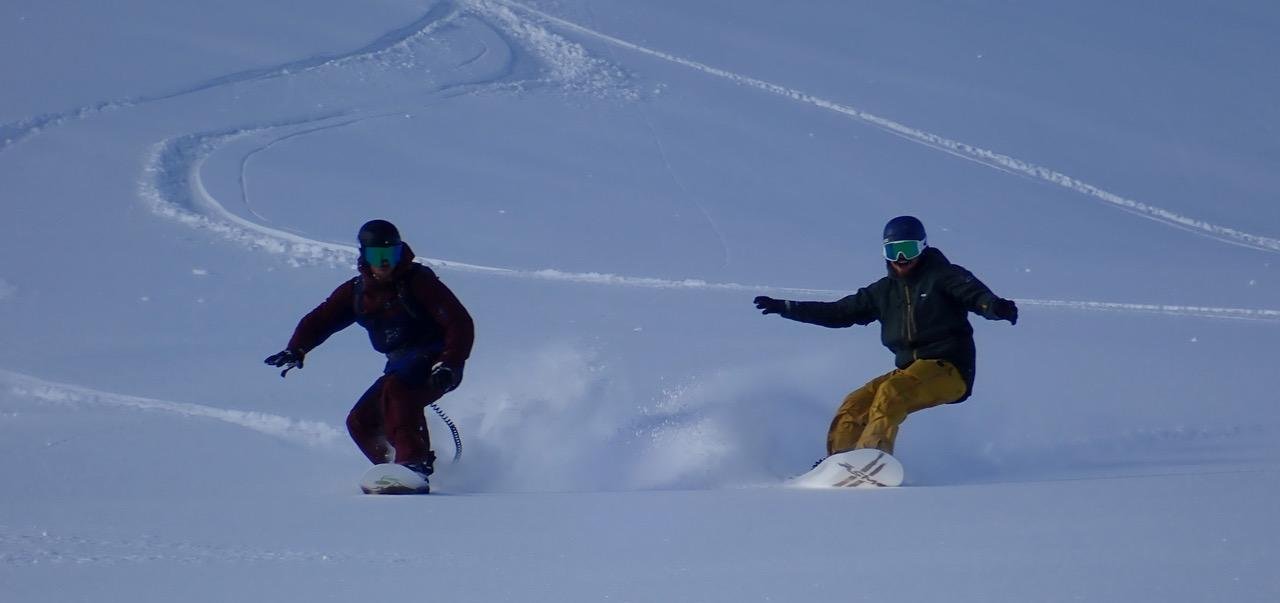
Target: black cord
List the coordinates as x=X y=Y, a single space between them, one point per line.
x=457 y=439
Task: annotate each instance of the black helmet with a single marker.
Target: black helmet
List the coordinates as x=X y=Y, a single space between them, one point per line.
x=378 y=233
x=904 y=228
x=904 y=239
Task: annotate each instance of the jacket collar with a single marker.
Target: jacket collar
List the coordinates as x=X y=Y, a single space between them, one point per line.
x=930 y=260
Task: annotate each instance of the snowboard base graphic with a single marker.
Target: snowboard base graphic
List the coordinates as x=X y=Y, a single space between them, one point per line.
x=390 y=478
x=862 y=468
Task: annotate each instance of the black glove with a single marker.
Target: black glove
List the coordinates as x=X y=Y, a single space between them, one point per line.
x=288 y=359
x=1005 y=309
x=445 y=378
x=768 y=305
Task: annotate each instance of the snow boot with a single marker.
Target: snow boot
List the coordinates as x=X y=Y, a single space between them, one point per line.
x=425 y=467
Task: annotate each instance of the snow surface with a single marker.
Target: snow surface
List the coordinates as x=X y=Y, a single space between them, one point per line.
x=606 y=185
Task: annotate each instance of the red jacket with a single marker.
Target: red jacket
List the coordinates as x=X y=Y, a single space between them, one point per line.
x=412 y=310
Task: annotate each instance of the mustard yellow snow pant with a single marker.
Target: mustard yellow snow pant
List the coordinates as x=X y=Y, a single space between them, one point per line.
x=870 y=416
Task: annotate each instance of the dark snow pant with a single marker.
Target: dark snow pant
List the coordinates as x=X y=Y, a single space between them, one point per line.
x=870 y=416
x=389 y=419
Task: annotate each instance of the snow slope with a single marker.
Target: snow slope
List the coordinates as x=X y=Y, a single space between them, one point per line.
x=606 y=185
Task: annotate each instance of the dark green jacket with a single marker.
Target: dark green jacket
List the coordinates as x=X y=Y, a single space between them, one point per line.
x=923 y=315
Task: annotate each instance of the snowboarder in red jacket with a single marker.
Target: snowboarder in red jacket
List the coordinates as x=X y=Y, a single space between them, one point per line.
x=416 y=321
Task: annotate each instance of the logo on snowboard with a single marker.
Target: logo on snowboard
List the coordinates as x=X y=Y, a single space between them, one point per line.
x=865 y=475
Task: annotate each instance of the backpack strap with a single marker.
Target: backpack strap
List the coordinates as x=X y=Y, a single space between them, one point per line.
x=403 y=292
x=406 y=296
x=355 y=299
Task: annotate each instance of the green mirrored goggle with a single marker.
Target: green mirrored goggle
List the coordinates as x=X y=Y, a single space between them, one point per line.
x=376 y=256
x=903 y=250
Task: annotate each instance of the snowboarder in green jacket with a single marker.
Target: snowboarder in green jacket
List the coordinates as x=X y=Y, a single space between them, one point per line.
x=923 y=306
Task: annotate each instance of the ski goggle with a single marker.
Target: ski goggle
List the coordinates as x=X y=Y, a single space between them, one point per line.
x=903 y=250
x=375 y=256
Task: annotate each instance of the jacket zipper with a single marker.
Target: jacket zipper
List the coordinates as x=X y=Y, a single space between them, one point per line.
x=911 y=322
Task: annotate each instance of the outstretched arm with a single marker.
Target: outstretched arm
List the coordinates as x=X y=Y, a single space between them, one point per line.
x=856 y=309
x=334 y=314
x=965 y=288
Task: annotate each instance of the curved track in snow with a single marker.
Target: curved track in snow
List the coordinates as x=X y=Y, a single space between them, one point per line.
x=960 y=149
x=439 y=15
x=574 y=67
x=173 y=189
x=174 y=164
x=172 y=185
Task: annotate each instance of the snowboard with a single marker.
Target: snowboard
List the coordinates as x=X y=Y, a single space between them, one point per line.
x=862 y=468
x=390 y=478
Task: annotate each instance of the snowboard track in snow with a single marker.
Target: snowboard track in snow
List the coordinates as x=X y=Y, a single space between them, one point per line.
x=172 y=186
x=309 y=433
x=436 y=17
x=989 y=158
x=578 y=69
x=173 y=189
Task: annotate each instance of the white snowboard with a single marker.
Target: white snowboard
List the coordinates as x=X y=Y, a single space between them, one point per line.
x=390 y=478
x=862 y=468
